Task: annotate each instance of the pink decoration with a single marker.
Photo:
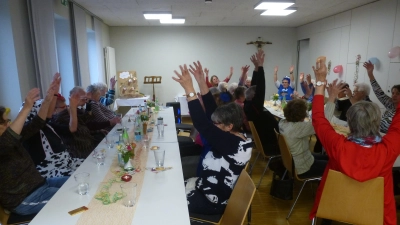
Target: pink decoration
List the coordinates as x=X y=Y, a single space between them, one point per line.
x=394 y=52
x=338 y=69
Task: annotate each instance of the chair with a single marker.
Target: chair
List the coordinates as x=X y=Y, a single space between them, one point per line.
x=260 y=149
x=344 y=199
x=7 y=218
x=238 y=204
x=288 y=162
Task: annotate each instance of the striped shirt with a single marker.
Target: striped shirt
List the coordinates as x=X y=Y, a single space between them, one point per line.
x=108 y=99
x=388 y=103
x=99 y=112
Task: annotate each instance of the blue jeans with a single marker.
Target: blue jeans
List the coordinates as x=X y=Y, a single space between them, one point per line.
x=34 y=202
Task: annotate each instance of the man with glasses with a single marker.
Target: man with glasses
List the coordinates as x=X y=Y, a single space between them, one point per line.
x=287 y=87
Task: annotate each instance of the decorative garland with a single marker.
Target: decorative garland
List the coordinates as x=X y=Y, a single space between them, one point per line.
x=105 y=197
x=357 y=66
x=329 y=67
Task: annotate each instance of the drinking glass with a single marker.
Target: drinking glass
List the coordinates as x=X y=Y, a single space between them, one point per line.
x=159 y=156
x=83 y=182
x=160 y=130
x=129 y=191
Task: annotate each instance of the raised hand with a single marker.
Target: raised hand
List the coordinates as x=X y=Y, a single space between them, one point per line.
x=320 y=70
x=291 y=69
x=206 y=71
x=260 y=56
x=184 y=78
x=369 y=66
x=335 y=88
x=276 y=69
x=253 y=59
x=74 y=100
x=231 y=70
x=301 y=77
x=308 y=77
x=112 y=82
x=245 y=69
x=32 y=97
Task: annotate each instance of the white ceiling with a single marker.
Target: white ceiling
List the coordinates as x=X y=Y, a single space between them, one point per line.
x=218 y=13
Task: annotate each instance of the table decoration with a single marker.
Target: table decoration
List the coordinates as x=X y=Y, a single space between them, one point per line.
x=127 y=152
x=275 y=97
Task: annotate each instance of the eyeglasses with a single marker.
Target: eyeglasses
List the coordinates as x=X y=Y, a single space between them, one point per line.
x=216 y=123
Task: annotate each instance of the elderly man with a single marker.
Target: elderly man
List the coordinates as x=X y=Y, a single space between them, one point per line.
x=287 y=87
x=361 y=92
x=99 y=112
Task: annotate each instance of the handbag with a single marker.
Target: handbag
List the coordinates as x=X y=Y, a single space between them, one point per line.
x=282 y=188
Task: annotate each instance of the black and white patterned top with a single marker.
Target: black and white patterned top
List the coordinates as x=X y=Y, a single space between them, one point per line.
x=388 y=103
x=225 y=161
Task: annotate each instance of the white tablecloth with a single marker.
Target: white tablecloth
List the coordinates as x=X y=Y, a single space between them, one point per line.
x=161 y=201
x=129 y=101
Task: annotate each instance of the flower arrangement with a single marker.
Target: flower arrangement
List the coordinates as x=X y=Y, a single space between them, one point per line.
x=275 y=97
x=127 y=151
x=144 y=117
x=150 y=103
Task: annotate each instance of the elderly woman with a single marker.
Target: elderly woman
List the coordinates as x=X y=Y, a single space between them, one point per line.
x=287 y=87
x=107 y=97
x=83 y=140
x=364 y=154
x=361 y=92
x=230 y=150
x=390 y=103
x=214 y=80
x=46 y=148
x=306 y=163
x=99 y=112
x=22 y=189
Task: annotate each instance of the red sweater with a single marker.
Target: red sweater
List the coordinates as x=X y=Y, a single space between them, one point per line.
x=358 y=162
x=210 y=85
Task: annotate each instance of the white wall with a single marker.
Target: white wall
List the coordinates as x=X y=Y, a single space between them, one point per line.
x=158 y=51
x=371 y=31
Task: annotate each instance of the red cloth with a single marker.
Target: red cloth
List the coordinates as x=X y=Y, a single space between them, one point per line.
x=209 y=85
x=357 y=162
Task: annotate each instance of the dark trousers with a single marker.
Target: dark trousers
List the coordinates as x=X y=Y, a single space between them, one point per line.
x=317 y=168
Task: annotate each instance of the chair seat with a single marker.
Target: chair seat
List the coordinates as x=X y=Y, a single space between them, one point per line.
x=20 y=219
x=185 y=139
x=212 y=218
x=183 y=126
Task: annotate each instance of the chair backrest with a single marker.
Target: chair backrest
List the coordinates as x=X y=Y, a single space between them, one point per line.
x=346 y=200
x=256 y=138
x=3 y=216
x=240 y=200
x=286 y=155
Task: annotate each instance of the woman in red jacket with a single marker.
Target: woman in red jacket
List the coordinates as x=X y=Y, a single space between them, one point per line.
x=364 y=154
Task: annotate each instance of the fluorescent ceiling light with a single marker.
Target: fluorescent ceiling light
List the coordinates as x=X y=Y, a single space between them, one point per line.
x=284 y=12
x=273 y=5
x=172 y=21
x=157 y=16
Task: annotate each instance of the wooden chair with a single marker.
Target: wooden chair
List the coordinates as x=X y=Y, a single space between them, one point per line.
x=260 y=150
x=238 y=204
x=346 y=200
x=7 y=218
x=287 y=160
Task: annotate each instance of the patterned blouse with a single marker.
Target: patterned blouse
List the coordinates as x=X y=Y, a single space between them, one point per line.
x=388 y=103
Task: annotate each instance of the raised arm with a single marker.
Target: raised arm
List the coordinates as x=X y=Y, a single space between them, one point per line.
x=243 y=76
x=230 y=75
x=259 y=96
x=333 y=90
x=53 y=101
x=323 y=128
x=380 y=94
x=276 y=74
x=18 y=123
x=206 y=71
x=292 y=82
x=254 y=79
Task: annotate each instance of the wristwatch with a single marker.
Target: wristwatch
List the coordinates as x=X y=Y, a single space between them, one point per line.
x=319 y=83
x=190 y=94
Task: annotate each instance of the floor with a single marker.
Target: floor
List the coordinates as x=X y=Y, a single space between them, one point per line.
x=268 y=210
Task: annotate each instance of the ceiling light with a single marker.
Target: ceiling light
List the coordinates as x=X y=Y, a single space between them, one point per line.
x=281 y=12
x=157 y=15
x=172 y=21
x=208 y=1
x=274 y=4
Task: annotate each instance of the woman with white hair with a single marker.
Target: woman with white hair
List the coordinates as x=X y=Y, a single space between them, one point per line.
x=107 y=98
x=361 y=92
x=364 y=154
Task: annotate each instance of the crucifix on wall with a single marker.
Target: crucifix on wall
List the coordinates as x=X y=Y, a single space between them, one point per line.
x=259 y=43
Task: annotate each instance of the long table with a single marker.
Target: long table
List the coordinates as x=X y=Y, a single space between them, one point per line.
x=162 y=199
